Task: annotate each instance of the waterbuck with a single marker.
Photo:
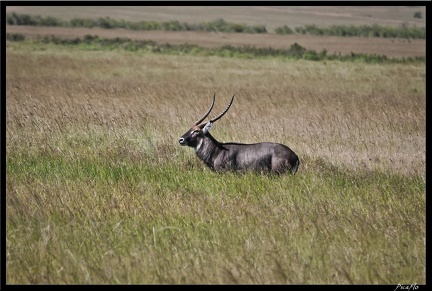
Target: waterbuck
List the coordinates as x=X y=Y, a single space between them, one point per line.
x=259 y=157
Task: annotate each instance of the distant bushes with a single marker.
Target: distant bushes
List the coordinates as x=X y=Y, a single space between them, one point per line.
x=221 y=25
x=295 y=51
x=24 y=19
x=362 y=30
x=15 y=37
x=284 y=30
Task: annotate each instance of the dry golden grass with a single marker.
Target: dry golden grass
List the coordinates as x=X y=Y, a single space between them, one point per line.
x=348 y=114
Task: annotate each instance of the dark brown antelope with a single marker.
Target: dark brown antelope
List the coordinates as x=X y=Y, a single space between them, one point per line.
x=259 y=157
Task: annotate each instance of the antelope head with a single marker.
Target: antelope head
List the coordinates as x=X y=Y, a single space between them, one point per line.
x=195 y=135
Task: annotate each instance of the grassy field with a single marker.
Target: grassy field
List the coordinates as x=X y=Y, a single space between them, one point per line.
x=99 y=191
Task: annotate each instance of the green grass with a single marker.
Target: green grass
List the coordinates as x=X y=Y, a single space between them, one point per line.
x=98 y=190
x=106 y=217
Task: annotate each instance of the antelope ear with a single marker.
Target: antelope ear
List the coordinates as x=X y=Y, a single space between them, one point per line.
x=207 y=127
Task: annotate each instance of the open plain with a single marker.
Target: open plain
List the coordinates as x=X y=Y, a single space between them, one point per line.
x=99 y=191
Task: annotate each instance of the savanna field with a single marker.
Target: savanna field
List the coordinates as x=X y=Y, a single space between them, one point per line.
x=99 y=190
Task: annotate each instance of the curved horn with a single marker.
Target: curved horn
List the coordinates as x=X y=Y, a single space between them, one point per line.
x=208 y=111
x=225 y=111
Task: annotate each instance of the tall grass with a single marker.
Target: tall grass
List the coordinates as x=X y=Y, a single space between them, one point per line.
x=98 y=190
